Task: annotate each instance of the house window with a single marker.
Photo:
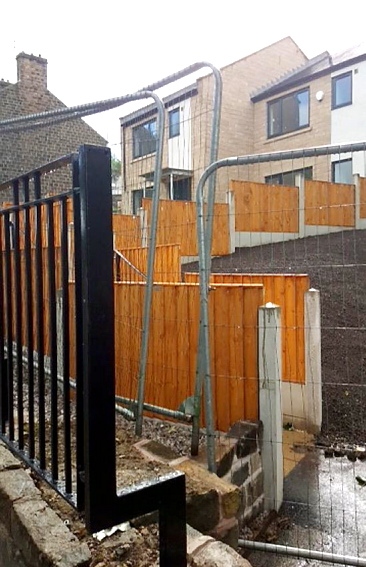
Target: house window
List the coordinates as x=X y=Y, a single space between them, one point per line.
x=144 y=139
x=137 y=197
x=342 y=90
x=342 y=171
x=288 y=178
x=288 y=113
x=174 y=123
x=179 y=189
x=182 y=189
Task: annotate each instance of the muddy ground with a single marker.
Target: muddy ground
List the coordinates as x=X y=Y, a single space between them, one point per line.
x=336 y=264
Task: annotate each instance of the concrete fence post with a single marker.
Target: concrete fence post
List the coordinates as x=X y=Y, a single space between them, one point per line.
x=270 y=413
x=300 y=183
x=230 y=199
x=356 y=182
x=313 y=370
x=143 y=227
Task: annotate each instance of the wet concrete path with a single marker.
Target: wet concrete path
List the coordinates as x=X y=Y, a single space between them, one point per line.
x=327 y=509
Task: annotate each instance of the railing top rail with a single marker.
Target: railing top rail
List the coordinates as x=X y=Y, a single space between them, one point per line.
x=46 y=168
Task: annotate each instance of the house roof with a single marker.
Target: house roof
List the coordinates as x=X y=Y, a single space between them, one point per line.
x=322 y=64
x=151 y=110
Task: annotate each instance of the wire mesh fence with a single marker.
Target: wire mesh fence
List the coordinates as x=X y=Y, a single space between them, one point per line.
x=291 y=234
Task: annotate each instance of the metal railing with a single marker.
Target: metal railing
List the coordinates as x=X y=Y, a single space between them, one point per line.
x=84 y=473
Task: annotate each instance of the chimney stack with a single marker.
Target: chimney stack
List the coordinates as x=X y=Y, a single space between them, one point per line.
x=32 y=71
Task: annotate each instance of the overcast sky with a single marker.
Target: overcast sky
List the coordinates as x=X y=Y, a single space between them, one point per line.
x=99 y=50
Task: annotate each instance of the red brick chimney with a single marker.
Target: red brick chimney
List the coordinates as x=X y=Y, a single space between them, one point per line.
x=32 y=71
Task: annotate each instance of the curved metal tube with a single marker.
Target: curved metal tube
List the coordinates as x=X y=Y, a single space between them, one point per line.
x=301 y=552
x=150 y=263
x=203 y=373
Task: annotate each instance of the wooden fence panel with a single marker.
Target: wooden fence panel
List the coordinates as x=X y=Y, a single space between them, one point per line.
x=287 y=291
x=167 y=264
x=173 y=346
x=177 y=224
x=127 y=231
x=265 y=208
x=362 y=183
x=329 y=204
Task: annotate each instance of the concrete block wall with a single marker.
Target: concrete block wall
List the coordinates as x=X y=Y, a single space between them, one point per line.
x=241 y=465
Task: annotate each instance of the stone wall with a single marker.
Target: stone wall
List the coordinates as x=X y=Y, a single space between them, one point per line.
x=31 y=534
x=218 y=504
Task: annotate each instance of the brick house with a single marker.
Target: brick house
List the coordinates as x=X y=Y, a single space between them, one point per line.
x=188 y=120
x=23 y=151
x=275 y=99
x=322 y=102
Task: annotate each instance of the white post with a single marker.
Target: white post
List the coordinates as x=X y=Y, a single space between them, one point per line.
x=230 y=199
x=270 y=413
x=300 y=182
x=356 y=182
x=313 y=368
x=143 y=227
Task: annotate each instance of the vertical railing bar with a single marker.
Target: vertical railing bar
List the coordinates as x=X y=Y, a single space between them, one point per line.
x=17 y=283
x=3 y=361
x=40 y=324
x=65 y=344
x=29 y=318
x=51 y=269
x=172 y=525
x=80 y=473
x=9 y=323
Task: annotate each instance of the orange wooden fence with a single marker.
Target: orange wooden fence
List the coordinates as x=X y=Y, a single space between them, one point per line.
x=329 y=204
x=177 y=224
x=44 y=223
x=173 y=346
x=22 y=279
x=265 y=208
x=287 y=291
x=167 y=264
x=127 y=231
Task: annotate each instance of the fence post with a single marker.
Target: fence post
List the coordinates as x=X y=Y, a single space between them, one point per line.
x=97 y=335
x=270 y=413
x=230 y=199
x=313 y=370
x=300 y=182
x=142 y=214
x=356 y=182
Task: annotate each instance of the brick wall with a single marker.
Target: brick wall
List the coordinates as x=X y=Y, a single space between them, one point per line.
x=24 y=151
x=237 y=131
x=317 y=134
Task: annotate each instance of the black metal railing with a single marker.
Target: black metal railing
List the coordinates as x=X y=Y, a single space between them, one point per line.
x=70 y=443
